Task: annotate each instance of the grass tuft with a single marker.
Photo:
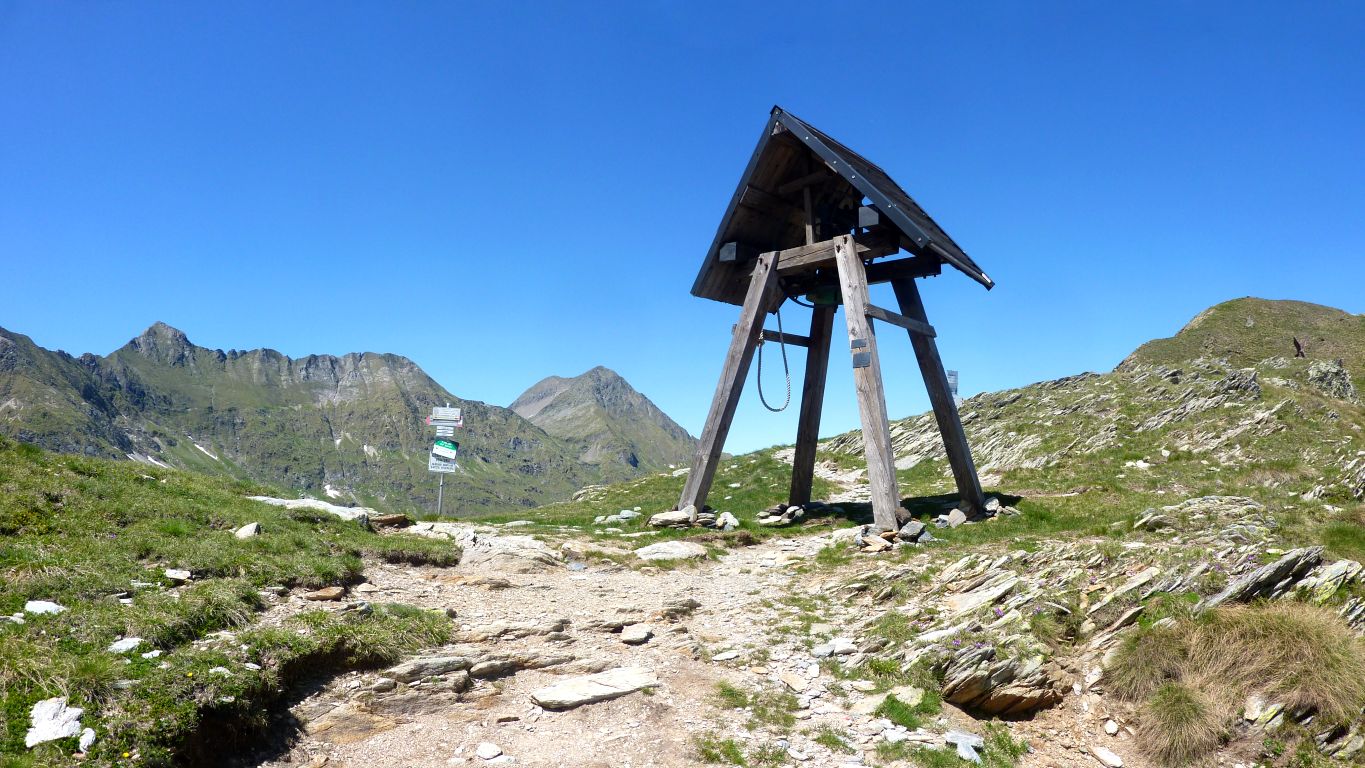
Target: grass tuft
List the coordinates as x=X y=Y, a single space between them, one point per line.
x=1193 y=676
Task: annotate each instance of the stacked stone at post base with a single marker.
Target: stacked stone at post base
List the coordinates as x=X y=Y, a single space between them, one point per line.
x=707 y=518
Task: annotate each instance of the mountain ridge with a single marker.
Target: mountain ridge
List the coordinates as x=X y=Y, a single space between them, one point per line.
x=348 y=426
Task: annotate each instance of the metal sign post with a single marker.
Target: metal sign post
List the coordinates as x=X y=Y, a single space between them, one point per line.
x=444 y=451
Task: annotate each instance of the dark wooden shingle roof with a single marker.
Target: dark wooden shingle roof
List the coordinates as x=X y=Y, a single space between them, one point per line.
x=767 y=211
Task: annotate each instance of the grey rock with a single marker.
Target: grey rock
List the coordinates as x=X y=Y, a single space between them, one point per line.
x=590 y=689
x=911 y=531
x=1268 y=581
x=976 y=679
x=727 y=522
x=177 y=575
x=956 y=517
x=671 y=550
x=1332 y=379
x=636 y=634
x=680 y=519
x=427 y=666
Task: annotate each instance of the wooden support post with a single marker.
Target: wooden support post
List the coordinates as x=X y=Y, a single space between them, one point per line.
x=941 y=397
x=867 y=379
x=743 y=341
x=812 y=400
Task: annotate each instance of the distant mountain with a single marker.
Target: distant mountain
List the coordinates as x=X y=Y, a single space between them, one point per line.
x=348 y=427
x=616 y=428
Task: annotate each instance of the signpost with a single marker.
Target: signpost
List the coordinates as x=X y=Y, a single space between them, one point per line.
x=444 y=451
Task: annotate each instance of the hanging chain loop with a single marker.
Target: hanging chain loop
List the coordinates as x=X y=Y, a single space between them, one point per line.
x=786 y=370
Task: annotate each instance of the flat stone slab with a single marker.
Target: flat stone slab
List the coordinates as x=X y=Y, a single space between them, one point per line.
x=591 y=689
x=52 y=719
x=671 y=550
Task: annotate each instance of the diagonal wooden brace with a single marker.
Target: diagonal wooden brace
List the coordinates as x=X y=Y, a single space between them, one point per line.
x=743 y=342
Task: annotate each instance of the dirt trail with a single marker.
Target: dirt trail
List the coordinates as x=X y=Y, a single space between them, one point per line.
x=432 y=727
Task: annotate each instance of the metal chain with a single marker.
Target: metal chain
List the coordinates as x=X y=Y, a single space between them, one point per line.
x=786 y=371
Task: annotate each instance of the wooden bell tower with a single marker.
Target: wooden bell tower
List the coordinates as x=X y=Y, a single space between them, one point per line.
x=813 y=217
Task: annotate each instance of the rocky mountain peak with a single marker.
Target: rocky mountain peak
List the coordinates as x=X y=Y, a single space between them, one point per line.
x=163 y=343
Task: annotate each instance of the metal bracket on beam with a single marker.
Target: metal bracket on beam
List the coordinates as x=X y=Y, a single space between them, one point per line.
x=909 y=324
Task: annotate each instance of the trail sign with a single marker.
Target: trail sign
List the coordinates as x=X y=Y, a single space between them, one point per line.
x=445 y=449
x=437 y=464
x=447 y=415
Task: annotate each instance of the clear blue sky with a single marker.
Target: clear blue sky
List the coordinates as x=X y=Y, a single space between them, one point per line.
x=505 y=191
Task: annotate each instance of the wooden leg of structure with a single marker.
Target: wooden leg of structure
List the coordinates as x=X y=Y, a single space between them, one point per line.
x=812 y=399
x=867 y=379
x=742 y=344
x=941 y=397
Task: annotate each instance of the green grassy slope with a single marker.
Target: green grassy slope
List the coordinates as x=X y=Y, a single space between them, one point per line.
x=353 y=422
x=85 y=532
x=1247 y=331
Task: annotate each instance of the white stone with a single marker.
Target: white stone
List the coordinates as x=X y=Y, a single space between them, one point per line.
x=488 y=750
x=52 y=719
x=42 y=606
x=177 y=575
x=1107 y=757
x=248 y=530
x=125 y=645
x=590 y=689
x=725 y=656
x=1111 y=727
x=87 y=740
x=636 y=634
x=671 y=550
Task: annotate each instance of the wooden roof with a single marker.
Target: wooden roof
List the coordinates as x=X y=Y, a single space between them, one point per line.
x=767 y=212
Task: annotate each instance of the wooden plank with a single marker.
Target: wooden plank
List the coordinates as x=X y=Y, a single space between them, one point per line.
x=908 y=323
x=867 y=380
x=743 y=341
x=764 y=201
x=812 y=401
x=917 y=266
x=793 y=339
x=803 y=257
x=805 y=182
x=941 y=398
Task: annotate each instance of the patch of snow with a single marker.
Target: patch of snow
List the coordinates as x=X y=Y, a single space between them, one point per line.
x=331 y=492
x=147 y=459
x=205 y=450
x=345 y=513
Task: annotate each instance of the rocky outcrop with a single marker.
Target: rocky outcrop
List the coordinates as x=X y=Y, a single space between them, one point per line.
x=977 y=680
x=1268 y=581
x=1332 y=379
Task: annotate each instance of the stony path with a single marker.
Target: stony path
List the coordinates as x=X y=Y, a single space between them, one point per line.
x=562 y=617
